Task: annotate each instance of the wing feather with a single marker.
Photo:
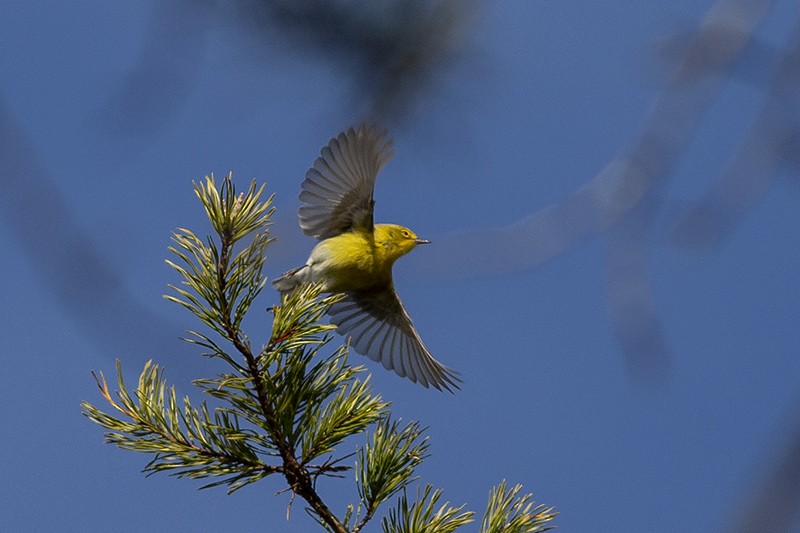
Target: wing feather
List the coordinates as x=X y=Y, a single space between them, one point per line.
x=394 y=348
x=320 y=189
x=424 y=367
x=380 y=328
x=371 y=330
x=337 y=192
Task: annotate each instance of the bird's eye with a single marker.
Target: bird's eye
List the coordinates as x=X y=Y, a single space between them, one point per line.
x=406 y=234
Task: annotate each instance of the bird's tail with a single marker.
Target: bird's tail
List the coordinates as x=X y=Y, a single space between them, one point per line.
x=290 y=280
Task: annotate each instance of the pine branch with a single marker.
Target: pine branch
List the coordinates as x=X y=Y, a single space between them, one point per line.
x=232 y=219
x=509 y=513
x=283 y=409
x=188 y=443
x=386 y=464
x=419 y=517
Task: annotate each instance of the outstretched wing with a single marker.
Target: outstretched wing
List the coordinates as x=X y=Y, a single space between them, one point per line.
x=380 y=328
x=337 y=190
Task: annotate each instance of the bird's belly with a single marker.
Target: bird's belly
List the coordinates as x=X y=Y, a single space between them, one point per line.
x=346 y=263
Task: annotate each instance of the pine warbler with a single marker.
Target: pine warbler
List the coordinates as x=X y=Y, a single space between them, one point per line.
x=355 y=257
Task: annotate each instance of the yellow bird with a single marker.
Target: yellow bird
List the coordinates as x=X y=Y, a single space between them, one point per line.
x=355 y=257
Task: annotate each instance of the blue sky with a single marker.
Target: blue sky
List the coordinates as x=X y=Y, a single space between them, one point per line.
x=538 y=99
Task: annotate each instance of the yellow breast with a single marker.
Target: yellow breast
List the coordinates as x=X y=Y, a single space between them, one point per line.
x=352 y=261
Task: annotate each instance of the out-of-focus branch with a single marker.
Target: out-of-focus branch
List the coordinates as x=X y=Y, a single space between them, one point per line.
x=770 y=142
x=394 y=51
x=65 y=257
x=154 y=90
x=633 y=175
x=626 y=192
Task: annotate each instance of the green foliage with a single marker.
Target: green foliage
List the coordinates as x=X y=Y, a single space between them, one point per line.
x=509 y=513
x=386 y=464
x=286 y=408
x=188 y=442
x=419 y=517
x=220 y=288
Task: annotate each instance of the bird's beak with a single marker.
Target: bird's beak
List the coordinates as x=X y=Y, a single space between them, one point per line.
x=422 y=241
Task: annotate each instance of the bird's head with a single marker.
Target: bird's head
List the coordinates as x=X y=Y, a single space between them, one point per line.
x=396 y=241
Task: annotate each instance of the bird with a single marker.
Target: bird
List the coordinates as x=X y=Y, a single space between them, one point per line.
x=354 y=257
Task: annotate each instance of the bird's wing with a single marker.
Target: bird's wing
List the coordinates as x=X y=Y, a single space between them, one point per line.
x=380 y=328
x=337 y=190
